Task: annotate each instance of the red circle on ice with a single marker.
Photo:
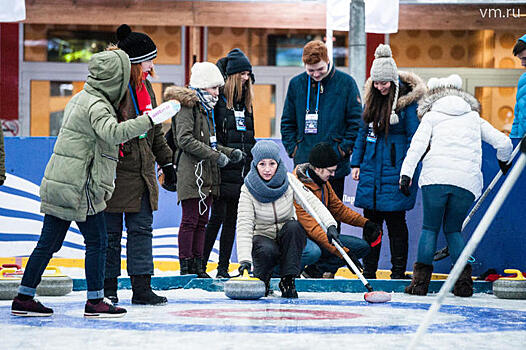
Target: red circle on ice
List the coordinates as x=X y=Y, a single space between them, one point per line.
x=268 y=314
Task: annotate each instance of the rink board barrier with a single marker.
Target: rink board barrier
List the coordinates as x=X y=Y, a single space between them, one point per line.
x=21 y=220
x=302 y=285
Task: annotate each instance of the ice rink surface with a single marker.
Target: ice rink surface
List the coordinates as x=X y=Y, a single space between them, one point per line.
x=196 y=319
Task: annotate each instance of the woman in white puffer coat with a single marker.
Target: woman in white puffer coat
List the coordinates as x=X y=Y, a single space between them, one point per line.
x=449 y=138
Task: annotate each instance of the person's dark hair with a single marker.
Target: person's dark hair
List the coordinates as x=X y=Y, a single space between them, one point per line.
x=378 y=109
x=519 y=47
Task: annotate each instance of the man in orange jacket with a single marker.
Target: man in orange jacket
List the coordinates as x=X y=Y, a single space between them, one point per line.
x=323 y=161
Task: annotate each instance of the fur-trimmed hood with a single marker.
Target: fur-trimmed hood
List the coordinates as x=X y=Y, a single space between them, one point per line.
x=186 y=96
x=415 y=83
x=432 y=96
x=301 y=173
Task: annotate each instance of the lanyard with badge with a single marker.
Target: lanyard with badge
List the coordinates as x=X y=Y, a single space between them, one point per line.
x=136 y=109
x=311 y=119
x=240 y=118
x=213 y=138
x=371 y=136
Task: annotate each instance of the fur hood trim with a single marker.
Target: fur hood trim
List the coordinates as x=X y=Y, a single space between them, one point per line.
x=186 y=96
x=418 y=89
x=434 y=95
x=301 y=173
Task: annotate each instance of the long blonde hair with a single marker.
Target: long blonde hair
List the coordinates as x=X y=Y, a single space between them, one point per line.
x=234 y=89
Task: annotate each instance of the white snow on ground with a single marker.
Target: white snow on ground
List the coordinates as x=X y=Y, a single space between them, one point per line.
x=196 y=319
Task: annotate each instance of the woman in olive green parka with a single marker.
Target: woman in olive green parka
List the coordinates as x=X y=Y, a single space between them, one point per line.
x=78 y=180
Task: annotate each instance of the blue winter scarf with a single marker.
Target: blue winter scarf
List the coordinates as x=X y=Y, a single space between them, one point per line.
x=267 y=191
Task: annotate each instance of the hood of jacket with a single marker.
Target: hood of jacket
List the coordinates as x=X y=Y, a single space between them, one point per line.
x=109 y=74
x=301 y=172
x=417 y=89
x=187 y=97
x=449 y=101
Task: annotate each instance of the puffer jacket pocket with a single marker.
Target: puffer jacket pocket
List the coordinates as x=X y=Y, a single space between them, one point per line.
x=102 y=175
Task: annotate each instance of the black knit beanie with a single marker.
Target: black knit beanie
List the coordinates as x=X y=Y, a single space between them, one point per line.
x=237 y=62
x=322 y=156
x=138 y=46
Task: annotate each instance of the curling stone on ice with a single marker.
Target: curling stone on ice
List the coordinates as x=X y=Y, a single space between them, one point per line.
x=510 y=287
x=54 y=283
x=244 y=287
x=10 y=277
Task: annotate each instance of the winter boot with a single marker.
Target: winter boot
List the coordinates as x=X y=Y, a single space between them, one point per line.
x=186 y=266
x=421 y=278
x=464 y=285
x=199 y=270
x=312 y=271
x=142 y=291
x=287 y=286
x=110 y=289
x=222 y=272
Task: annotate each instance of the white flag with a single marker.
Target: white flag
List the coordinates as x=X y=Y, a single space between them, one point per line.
x=12 y=10
x=381 y=16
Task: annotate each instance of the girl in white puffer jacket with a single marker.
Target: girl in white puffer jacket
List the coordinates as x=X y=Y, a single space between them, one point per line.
x=449 y=138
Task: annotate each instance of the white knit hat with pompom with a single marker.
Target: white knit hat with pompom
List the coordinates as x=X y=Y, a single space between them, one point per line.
x=384 y=69
x=453 y=81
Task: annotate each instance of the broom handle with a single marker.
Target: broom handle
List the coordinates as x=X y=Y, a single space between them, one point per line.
x=472 y=244
x=316 y=217
x=488 y=189
x=351 y=264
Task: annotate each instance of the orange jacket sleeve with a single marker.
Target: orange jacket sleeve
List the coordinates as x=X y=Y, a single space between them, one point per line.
x=341 y=212
x=314 y=230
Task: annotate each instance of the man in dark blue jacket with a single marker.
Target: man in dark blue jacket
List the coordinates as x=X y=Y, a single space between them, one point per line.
x=322 y=104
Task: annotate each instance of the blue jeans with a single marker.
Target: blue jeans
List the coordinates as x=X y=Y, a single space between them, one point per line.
x=445 y=206
x=138 y=244
x=53 y=234
x=331 y=263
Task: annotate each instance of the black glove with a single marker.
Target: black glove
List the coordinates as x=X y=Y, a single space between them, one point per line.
x=404 y=185
x=332 y=233
x=237 y=155
x=170 y=179
x=372 y=233
x=244 y=265
x=1 y=182
x=504 y=166
x=223 y=160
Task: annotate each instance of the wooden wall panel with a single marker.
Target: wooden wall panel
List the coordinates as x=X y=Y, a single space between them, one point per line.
x=261 y=14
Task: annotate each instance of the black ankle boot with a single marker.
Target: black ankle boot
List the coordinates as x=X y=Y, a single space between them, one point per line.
x=187 y=266
x=222 y=272
x=199 y=270
x=142 y=291
x=110 y=289
x=287 y=286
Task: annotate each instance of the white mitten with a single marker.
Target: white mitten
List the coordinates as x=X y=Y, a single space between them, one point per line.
x=164 y=111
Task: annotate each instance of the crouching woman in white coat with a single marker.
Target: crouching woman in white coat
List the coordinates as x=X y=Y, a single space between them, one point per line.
x=449 y=138
x=268 y=233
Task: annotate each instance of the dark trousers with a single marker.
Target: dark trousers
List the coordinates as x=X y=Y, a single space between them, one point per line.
x=139 y=256
x=224 y=212
x=398 y=242
x=192 y=228
x=338 y=185
x=285 y=251
x=53 y=234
